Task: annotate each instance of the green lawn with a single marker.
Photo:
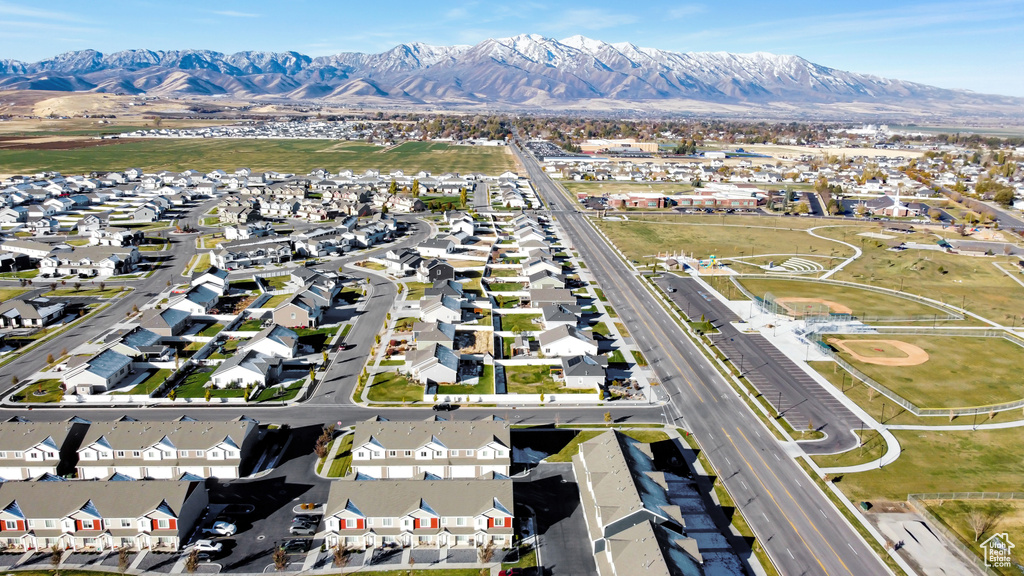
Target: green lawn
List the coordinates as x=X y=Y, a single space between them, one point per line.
x=50 y=387
x=316 y=338
x=405 y=324
x=975 y=461
x=536 y=380
x=250 y=326
x=520 y=322
x=641 y=240
x=504 y=272
x=505 y=287
x=861 y=302
x=392 y=387
x=414 y=290
x=193 y=387
x=507 y=301
x=602 y=329
x=872 y=448
x=343 y=459
x=211 y=330
x=278 y=394
x=299 y=156
x=573 y=447
x=244 y=284
x=276 y=282
x=600 y=295
x=21 y=274
x=11 y=293
x=616 y=357
x=149 y=384
x=485 y=386
x=104 y=293
x=639 y=357
x=276 y=300
x=622 y=329
x=960 y=371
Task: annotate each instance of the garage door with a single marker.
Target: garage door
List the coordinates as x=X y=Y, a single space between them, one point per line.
x=463 y=471
x=223 y=472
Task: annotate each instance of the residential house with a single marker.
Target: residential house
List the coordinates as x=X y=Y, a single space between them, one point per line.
x=584 y=371
x=440 y=309
x=34 y=250
x=197 y=300
x=445 y=288
x=31 y=449
x=97 y=373
x=114 y=236
x=566 y=341
x=434 y=271
x=436 y=248
x=276 y=341
x=622 y=491
x=92 y=261
x=97 y=515
x=303 y=309
x=554 y=315
x=401 y=262
x=31 y=313
x=150 y=449
x=383 y=449
x=246 y=253
x=545 y=279
x=427 y=514
x=212 y=278
x=541 y=297
x=433 y=364
x=168 y=322
x=247 y=368
x=140 y=345
x=426 y=333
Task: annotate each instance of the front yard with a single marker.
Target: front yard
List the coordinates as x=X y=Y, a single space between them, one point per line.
x=536 y=380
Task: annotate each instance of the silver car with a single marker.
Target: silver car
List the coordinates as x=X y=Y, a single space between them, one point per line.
x=302 y=529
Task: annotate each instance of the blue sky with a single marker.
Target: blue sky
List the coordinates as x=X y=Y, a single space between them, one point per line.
x=972 y=45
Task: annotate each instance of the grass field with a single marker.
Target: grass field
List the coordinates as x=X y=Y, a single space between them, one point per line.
x=392 y=387
x=642 y=240
x=415 y=290
x=967 y=281
x=520 y=322
x=299 y=156
x=536 y=380
x=1004 y=515
x=50 y=387
x=862 y=302
x=11 y=293
x=872 y=447
x=960 y=372
x=976 y=461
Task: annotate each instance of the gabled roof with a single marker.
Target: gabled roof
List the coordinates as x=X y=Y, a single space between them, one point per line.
x=583 y=365
x=561 y=332
x=455 y=435
x=109 y=499
x=399 y=498
x=20 y=436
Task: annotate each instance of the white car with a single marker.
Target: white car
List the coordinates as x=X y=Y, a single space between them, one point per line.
x=208 y=546
x=221 y=528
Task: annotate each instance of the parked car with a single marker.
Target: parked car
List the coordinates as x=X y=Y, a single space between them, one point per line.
x=302 y=529
x=208 y=546
x=296 y=545
x=306 y=519
x=221 y=528
x=238 y=509
x=207 y=556
x=511 y=572
x=443 y=407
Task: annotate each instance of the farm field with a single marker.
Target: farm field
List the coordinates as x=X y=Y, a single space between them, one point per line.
x=298 y=156
x=951 y=377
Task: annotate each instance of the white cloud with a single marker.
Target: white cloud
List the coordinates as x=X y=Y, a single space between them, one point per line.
x=686 y=10
x=234 y=14
x=16 y=10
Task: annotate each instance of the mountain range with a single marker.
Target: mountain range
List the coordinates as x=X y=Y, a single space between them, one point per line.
x=526 y=71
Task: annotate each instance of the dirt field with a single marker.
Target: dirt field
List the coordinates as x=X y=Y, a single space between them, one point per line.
x=834 y=307
x=882 y=352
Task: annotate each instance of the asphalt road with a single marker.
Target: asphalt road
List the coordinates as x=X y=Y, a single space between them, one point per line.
x=790 y=516
x=793 y=393
x=550 y=490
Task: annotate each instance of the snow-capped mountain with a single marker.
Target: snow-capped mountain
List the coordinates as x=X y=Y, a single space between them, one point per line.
x=521 y=71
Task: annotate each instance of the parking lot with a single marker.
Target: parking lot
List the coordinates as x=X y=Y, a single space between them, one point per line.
x=550 y=491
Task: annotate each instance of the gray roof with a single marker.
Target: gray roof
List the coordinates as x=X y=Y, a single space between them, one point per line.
x=397 y=498
x=250 y=359
x=213 y=271
x=277 y=333
x=140 y=337
x=560 y=313
x=107 y=363
x=654 y=550
x=584 y=365
x=445 y=356
x=552 y=295
x=563 y=331
x=455 y=434
x=20 y=436
x=433 y=331
x=108 y=499
x=201 y=295
x=182 y=434
x=162 y=318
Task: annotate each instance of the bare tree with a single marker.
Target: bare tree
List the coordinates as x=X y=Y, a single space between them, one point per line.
x=982 y=521
x=486 y=553
x=280 y=559
x=123 y=559
x=55 y=556
x=340 y=559
x=192 y=561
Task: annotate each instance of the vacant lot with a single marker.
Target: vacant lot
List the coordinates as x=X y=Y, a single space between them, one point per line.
x=861 y=302
x=1003 y=515
x=976 y=461
x=260 y=155
x=536 y=380
x=960 y=371
x=641 y=240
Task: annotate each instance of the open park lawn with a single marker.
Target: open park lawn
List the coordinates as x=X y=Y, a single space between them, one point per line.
x=536 y=380
x=960 y=371
x=642 y=240
x=943 y=461
x=952 y=278
x=861 y=302
x=298 y=156
x=50 y=388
